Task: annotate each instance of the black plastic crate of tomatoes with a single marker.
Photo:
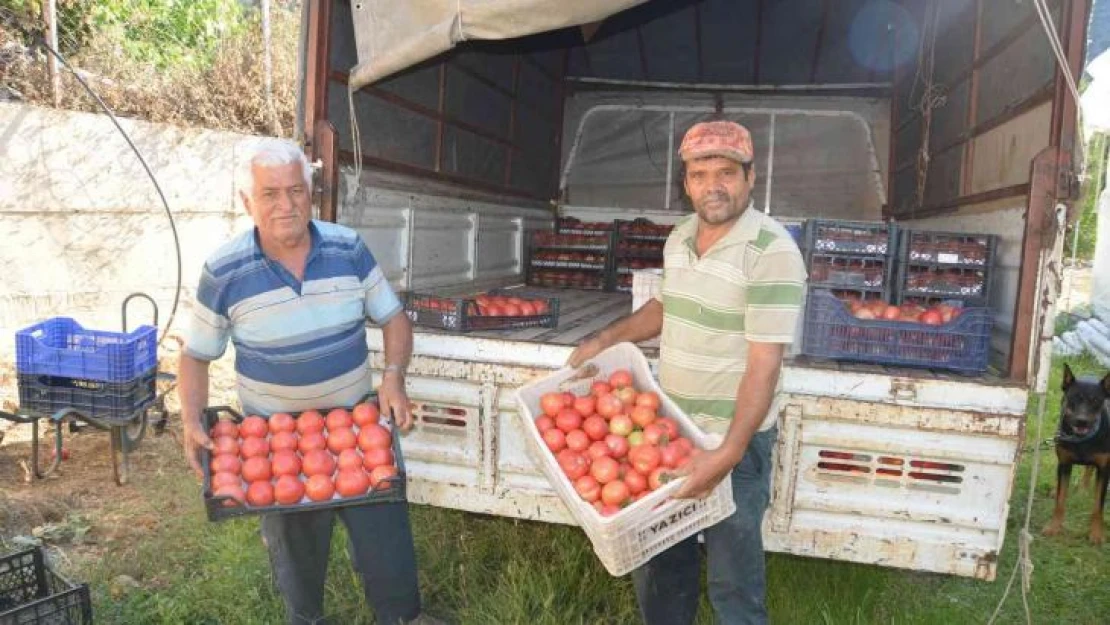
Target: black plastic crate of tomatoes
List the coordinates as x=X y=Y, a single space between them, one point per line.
x=831 y=236
x=463 y=314
x=832 y=332
x=32 y=593
x=874 y=274
x=220 y=508
x=104 y=401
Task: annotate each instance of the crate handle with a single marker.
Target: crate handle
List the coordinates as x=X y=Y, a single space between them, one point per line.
x=123 y=308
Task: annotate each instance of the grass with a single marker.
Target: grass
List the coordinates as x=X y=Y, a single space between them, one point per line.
x=478 y=569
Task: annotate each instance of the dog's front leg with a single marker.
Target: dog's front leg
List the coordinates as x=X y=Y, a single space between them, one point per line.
x=1100 y=488
x=1063 y=476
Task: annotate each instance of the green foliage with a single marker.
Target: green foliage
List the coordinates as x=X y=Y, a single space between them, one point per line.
x=1083 y=248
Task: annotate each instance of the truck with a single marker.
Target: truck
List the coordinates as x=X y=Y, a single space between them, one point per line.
x=447 y=132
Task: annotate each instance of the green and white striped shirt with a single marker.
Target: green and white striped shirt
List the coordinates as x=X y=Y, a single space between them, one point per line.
x=747 y=287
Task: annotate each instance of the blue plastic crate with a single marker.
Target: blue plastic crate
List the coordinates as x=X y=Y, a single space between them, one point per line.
x=106 y=401
x=61 y=347
x=831 y=331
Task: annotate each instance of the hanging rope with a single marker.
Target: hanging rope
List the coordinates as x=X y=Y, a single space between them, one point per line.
x=932 y=96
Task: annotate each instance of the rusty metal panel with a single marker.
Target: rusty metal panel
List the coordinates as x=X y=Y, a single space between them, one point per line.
x=1015 y=74
x=1003 y=154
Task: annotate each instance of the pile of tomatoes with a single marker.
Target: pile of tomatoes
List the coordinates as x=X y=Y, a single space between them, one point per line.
x=488 y=305
x=287 y=460
x=935 y=315
x=612 y=443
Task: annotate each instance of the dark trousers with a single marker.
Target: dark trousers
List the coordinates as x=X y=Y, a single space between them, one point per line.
x=668 y=586
x=381 y=550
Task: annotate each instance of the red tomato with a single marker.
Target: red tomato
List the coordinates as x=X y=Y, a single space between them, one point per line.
x=310 y=421
x=648 y=399
x=366 y=414
x=234 y=491
x=670 y=425
x=573 y=463
x=260 y=494
x=568 y=420
x=226 y=445
x=318 y=462
x=349 y=459
x=254 y=426
x=892 y=313
x=555 y=439
x=226 y=479
x=598 y=449
x=609 y=405
x=655 y=434
x=255 y=469
x=686 y=444
x=642 y=416
x=283 y=441
x=312 y=441
x=620 y=378
x=627 y=395
x=352 y=482
x=540 y=306
x=617 y=444
x=338 y=419
x=374 y=437
x=282 y=422
x=577 y=440
x=644 y=458
x=380 y=475
x=226 y=463
x=512 y=310
x=585 y=405
x=609 y=510
x=494 y=310
x=374 y=458
x=615 y=493
x=544 y=423
x=671 y=455
x=621 y=425
x=224 y=427
x=659 y=477
x=597 y=389
x=254 y=447
x=568 y=399
x=595 y=427
x=527 y=309
x=931 y=318
x=319 y=487
x=587 y=488
x=605 y=470
x=340 y=439
x=285 y=463
x=551 y=403
x=636 y=482
x=288 y=490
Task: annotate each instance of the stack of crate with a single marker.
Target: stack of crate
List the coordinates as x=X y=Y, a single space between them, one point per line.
x=853 y=259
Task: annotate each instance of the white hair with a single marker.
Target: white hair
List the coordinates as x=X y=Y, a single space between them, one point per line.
x=271 y=152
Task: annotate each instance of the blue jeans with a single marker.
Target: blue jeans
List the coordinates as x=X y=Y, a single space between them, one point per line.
x=381 y=550
x=668 y=586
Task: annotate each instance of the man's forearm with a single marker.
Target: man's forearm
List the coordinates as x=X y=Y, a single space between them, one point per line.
x=192 y=386
x=646 y=323
x=397 y=341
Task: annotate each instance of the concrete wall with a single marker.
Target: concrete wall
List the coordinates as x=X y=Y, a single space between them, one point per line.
x=82 y=226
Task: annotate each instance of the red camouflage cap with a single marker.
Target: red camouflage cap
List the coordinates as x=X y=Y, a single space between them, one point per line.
x=717 y=138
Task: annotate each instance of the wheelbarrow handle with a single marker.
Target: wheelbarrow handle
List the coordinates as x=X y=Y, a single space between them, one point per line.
x=126 y=300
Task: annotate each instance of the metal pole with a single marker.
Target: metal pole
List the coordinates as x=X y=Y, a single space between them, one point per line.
x=268 y=69
x=50 y=15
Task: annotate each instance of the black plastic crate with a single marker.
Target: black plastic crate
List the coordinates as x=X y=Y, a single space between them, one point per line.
x=873 y=274
x=219 y=508
x=946 y=249
x=571 y=225
x=970 y=286
x=104 y=401
x=31 y=593
x=832 y=332
x=830 y=236
x=463 y=314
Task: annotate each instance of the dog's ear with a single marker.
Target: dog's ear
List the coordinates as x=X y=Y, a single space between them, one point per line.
x=1069 y=379
x=1105 y=384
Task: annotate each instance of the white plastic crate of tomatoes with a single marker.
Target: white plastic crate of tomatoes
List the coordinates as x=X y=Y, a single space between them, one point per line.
x=626 y=528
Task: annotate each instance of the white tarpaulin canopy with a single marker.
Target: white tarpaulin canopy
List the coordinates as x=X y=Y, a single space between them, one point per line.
x=391 y=35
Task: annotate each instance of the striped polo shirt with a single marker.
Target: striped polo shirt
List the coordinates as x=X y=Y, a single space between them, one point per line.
x=298 y=345
x=747 y=287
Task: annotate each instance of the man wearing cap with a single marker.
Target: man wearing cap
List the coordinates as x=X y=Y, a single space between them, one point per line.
x=731 y=295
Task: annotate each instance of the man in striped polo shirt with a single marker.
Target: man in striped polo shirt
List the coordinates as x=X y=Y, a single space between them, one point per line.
x=731 y=297
x=293 y=295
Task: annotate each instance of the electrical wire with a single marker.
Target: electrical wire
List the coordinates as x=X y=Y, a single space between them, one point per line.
x=173 y=226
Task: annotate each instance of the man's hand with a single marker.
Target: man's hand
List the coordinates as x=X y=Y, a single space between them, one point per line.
x=195 y=438
x=393 y=400
x=704 y=472
x=586 y=350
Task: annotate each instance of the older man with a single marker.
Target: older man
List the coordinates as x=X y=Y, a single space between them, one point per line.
x=293 y=295
x=732 y=291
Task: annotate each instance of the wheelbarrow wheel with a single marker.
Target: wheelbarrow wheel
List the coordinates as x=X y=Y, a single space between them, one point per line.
x=132 y=433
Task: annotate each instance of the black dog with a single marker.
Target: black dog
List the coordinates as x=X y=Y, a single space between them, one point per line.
x=1083 y=438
